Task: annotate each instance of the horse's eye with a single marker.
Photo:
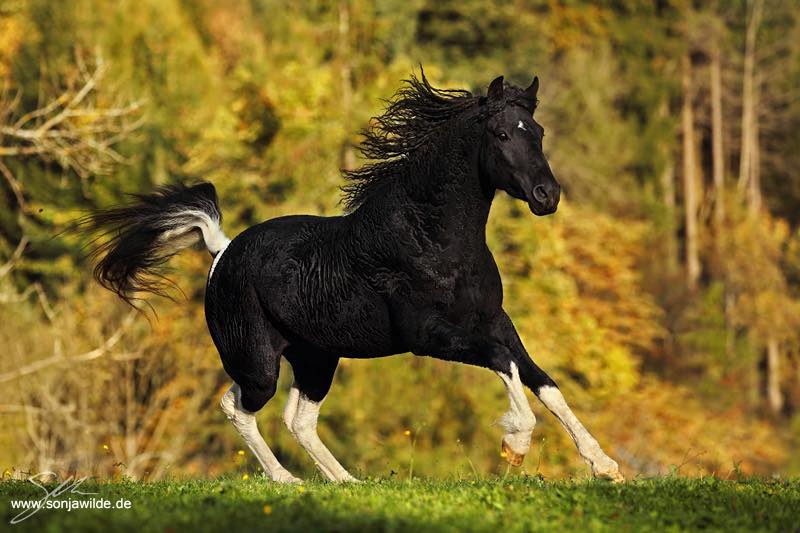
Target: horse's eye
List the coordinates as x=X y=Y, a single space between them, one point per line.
x=502 y=136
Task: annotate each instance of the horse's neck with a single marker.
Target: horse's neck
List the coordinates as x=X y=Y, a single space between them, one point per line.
x=450 y=208
x=445 y=204
x=465 y=206
x=465 y=211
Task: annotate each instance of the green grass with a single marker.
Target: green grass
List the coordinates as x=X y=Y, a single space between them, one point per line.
x=513 y=504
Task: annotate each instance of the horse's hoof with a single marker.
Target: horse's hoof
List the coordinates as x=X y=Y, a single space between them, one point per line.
x=513 y=458
x=286 y=477
x=609 y=471
x=614 y=477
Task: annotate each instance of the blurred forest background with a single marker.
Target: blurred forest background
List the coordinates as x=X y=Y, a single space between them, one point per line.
x=664 y=296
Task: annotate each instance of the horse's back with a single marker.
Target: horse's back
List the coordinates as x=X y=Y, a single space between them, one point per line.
x=302 y=268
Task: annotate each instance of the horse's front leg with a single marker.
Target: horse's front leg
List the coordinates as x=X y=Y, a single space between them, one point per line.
x=519 y=421
x=441 y=339
x=547 y=391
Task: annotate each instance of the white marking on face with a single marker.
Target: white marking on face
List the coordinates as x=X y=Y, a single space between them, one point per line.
x=521 y=126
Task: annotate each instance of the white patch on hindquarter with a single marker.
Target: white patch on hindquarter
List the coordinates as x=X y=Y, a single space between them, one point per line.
x=602 y=464
x=519 y=420
x=217 y=257
x=521 y=126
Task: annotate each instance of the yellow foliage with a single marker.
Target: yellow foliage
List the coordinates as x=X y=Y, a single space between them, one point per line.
x=218 y=77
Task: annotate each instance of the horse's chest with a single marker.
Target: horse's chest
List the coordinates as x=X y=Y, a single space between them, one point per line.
x=460 y=290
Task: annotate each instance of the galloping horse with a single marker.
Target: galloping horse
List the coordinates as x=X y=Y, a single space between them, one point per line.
x=407 y=269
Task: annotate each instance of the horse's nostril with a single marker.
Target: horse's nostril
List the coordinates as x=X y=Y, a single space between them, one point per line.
x=540 y=193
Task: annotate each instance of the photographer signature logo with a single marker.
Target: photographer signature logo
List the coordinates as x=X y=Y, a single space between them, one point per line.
x=70 y=485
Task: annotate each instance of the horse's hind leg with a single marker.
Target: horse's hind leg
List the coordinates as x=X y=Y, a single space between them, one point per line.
x=250 y=349
x=245 y=423
x=312 y=381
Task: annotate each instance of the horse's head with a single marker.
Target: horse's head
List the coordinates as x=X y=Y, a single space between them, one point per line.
x=511 y=156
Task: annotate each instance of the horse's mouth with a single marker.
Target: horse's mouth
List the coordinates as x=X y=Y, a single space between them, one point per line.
x=539 y=209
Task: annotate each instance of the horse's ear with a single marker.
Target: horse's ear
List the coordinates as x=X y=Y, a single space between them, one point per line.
x=533 y=88
x=529 y=94
x=496 y=89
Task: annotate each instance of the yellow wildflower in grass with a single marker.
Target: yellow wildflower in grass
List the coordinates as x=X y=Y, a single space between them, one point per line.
x=301 y=489
x=245 y=477
x=240 y=452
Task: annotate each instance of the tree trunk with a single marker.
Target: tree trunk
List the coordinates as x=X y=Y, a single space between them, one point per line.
x=668 y=197
x=754 y=184
x=774 y=396
x=689 y=178
x=718 y=170
x=749 y=181
x=668 y=191
x=755 y=375
x=717 y=153
x=747 y=154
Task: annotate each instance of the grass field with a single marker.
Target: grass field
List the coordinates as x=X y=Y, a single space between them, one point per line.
x=511 y=504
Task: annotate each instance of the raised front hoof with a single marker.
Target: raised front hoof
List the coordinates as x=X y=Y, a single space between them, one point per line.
x=513 y=458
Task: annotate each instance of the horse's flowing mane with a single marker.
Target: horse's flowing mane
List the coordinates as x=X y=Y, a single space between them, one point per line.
x=415 y=114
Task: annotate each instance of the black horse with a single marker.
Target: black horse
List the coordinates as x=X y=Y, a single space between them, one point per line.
x=406 y=270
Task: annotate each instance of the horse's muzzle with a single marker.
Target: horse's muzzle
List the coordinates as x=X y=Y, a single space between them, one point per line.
x=544 y=199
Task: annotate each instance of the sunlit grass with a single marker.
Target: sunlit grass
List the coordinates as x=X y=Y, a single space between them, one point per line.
x=499 y=504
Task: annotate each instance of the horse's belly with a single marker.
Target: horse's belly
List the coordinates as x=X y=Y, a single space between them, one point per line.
x=352 y=323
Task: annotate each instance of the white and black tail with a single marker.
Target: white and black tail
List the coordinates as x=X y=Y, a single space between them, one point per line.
x=145 y=234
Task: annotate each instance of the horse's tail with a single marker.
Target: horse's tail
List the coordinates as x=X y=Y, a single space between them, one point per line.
x=145 y=234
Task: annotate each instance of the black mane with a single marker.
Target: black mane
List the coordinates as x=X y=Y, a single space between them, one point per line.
x=414 y=117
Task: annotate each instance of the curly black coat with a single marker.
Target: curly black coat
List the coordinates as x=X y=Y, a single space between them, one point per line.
x=407 y=269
